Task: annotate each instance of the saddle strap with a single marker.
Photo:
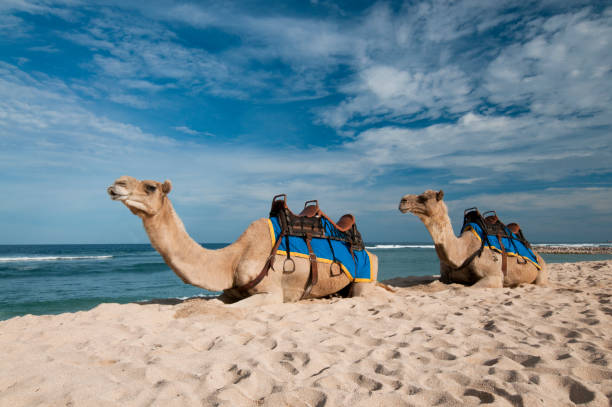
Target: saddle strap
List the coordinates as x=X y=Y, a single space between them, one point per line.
x=264 y=271
x=313 y=277
x=504 y=254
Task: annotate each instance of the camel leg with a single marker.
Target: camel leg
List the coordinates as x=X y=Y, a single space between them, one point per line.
x=226 y=298
x=258 y=299
x=369 y=289
x=445 y=274
x=490 y=281
x=542 y=278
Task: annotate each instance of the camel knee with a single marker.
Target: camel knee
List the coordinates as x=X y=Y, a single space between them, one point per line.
x=542 y=278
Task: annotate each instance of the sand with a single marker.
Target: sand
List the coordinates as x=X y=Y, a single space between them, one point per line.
x=428 y=344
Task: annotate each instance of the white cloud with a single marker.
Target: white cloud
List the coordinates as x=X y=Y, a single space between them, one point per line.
x=589 y=200
x=416 y=93
x=525 y=147
x=383 y=93
x=192 y=132
x=563 y=69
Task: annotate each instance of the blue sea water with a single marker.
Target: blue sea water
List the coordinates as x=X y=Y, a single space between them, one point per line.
x=51 y=279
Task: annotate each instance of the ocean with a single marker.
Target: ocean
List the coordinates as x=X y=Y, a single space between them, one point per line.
x=52 y=279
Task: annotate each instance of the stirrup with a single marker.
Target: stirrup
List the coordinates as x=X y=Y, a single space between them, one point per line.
x=285 y=269
x=331 y=268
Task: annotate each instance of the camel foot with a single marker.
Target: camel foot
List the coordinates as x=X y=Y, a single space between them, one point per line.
x=542 y=278
x=489 y=282
x=259 y=299
x=370 y=290
x=385 y=286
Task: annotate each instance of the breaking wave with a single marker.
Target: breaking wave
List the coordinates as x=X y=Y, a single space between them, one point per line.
x=401 y=246
x=51 y=258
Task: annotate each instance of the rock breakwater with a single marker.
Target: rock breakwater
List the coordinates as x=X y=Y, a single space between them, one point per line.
x=573 y=249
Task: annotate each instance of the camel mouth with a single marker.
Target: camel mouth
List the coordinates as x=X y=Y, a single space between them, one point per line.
x=414 y=210
x=115 y=196
x=408 y=207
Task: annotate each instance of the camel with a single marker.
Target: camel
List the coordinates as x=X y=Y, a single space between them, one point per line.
x=233 y=266
x=484 y=270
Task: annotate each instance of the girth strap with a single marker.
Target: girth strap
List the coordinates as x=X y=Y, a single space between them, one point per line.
x=264 y=271
x=313 y=277
x=504 y=255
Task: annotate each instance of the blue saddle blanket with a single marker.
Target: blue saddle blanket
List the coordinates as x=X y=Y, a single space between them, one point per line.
x=514 y=247
x=358 y=269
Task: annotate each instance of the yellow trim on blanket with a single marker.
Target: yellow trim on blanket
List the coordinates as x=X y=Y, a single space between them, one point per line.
x=320 y=259
x=272 y=232
x=512 y=254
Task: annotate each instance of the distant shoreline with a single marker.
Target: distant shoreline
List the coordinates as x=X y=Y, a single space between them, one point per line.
x=573 y=249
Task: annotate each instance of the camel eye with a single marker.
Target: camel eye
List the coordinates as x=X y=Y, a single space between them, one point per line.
x=421 y=199
x=150 y=188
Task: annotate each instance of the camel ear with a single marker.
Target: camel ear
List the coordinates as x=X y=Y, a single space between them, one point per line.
x=439 y=195
x=166 y=186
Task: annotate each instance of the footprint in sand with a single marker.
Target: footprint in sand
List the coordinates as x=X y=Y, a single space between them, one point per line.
x=239 y=374
x=443 y=355
x=289 y=367
x=577 y=392
x=366 y=382
x=380 y=369
x=483 y=396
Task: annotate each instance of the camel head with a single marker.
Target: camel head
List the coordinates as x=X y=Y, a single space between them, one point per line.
x=143 y=198
x=427 y=205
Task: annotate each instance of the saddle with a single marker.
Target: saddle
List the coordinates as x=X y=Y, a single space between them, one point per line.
x=311 y=223
x=490 y=224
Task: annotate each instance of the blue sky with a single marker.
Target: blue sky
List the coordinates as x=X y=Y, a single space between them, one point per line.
x=505 y=105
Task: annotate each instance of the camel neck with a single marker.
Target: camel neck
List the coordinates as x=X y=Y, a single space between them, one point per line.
x=441 y=229
x=451 y=250
x=210 y=269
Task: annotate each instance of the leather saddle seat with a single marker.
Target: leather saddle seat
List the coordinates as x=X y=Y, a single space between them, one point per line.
x=343 y=224
x=514 y=228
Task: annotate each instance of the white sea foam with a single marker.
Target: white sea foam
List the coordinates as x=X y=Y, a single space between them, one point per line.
x=51 y=258
x=401 y=246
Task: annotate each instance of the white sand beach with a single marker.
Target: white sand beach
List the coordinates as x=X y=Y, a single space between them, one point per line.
x=428 y=344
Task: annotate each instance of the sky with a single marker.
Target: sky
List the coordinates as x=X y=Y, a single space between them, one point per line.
x=505 y=105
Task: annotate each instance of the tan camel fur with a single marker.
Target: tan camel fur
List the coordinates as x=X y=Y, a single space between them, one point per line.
x=234 y=265
x=483 y=271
